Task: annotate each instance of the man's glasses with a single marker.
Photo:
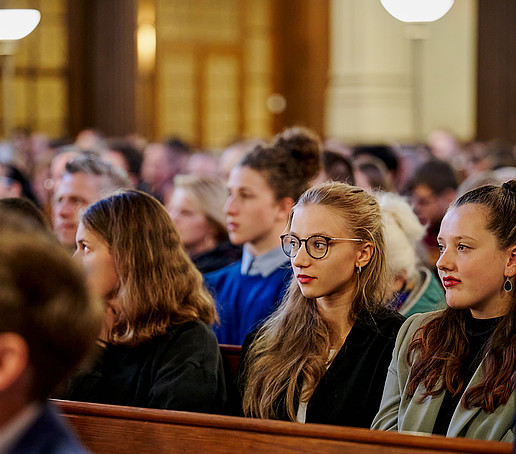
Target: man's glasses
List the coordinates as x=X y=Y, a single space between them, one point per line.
x=316 y=245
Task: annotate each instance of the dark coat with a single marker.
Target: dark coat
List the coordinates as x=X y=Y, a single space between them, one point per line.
x=350 y=392
x=181 y=370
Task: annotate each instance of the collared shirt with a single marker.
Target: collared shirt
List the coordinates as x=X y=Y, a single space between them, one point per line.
x=263 y=265
x=15 y=428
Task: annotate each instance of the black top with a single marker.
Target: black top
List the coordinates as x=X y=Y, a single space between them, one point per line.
x=350 y=392
x=181 y=370
x=224 y=254
x=478 y=332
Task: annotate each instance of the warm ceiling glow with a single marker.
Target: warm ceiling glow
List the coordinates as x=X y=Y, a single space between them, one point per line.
x=146 y=42
x=417 y=10
x=17 y=23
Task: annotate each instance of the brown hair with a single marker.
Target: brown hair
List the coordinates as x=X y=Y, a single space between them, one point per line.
x=293 y=344
x=159 y=286
x=437 y=349
x=288 y=163
x=43 y=298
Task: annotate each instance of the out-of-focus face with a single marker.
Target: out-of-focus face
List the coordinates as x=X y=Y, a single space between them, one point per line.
x=116 y=159
x=471 y=266
x=9 y=188
x=75 y=192
x=58 y=164
x=252 y=212
x=194 y=229
x=99 y=267
x=428 y=206
x=333 y=277
x=157 y=168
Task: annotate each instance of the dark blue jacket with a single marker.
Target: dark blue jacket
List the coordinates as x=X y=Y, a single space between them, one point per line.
x=48 y=435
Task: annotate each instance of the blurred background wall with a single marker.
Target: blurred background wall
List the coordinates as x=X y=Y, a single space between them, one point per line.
x=212 y=71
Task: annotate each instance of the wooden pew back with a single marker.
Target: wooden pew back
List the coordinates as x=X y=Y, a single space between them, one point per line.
x=107 y=429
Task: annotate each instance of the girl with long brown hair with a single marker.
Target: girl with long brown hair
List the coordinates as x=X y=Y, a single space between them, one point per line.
x=453 y=371
x=158 y=349
x=323 y=355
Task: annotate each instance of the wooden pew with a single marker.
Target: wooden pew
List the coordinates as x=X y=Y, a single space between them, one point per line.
x=107 y=429
x=231 y=359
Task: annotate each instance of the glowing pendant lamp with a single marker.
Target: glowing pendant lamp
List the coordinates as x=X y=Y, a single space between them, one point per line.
x=17 y=23
x=417 y=10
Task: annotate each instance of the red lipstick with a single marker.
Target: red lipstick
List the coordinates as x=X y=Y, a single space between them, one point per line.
x=449 y=281
x=304 y=279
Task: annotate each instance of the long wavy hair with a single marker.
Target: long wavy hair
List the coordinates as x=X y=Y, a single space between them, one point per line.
x=292 y=347
x=437 y=349
x=159 y=286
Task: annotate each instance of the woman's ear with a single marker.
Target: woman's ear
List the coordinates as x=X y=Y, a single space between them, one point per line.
x=510 y=267
x=284 y=206
x=364 y=254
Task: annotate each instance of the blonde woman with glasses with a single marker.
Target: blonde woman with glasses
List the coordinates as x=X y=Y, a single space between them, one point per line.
x=323 y=355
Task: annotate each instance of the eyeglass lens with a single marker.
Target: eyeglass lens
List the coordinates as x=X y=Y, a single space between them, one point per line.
x=316 y=246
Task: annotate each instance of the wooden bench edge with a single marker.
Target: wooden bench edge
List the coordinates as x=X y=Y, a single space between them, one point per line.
x=352 y=434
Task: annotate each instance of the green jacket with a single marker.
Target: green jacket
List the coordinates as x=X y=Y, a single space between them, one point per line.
x=397 y=412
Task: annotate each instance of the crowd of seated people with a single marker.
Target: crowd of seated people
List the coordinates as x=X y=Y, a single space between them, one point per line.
x=368 y=285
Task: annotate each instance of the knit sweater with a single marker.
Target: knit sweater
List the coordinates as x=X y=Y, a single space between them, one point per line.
x=244 y=301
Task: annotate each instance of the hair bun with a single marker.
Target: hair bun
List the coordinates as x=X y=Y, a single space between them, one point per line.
x=302 y=145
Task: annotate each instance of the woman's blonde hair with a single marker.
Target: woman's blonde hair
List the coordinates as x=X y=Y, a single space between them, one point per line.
x=292 y=347
x=159 y=286
x=210 y=194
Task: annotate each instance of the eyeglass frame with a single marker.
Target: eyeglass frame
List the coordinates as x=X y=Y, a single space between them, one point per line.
x=326 y=238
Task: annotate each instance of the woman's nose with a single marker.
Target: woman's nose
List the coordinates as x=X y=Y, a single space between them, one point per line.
x=444 y=261
x=302 y=258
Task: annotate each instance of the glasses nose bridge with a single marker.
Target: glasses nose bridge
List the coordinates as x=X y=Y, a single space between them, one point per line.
x=295 y=251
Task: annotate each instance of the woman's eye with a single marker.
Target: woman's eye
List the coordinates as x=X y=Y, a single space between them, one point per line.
x=462 y=247
x=319 y=245
x=83 y=248
x=293 y=242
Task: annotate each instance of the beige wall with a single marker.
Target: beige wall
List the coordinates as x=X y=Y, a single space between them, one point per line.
x=374 y=65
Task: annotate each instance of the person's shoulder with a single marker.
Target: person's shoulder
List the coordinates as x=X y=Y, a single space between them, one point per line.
x=413 y=323
x=193 y=339
x=283 y=272
x=49 y=435
x=383 y=318
x=190 y=328
x=221 y=273
x=383 y=322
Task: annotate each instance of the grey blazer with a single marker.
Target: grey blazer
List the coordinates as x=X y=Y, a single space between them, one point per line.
x=397 y=412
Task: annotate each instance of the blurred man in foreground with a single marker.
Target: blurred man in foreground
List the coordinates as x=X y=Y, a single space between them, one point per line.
x=48 y=324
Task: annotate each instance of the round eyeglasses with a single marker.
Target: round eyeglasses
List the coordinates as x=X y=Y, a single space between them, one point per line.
x=316 y=245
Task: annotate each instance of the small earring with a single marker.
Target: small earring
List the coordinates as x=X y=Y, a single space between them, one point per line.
x=507 y=286
x=359 y=270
